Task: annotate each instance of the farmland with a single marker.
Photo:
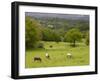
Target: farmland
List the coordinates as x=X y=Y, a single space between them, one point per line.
x=55 y=40
x=58 y=55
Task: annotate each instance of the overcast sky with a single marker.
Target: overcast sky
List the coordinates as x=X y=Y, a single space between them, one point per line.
x=54 y=15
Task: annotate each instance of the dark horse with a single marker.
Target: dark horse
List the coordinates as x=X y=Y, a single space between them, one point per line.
x=37 y=59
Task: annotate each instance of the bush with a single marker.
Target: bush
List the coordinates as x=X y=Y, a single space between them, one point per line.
x=40 y=45
x=50 y=46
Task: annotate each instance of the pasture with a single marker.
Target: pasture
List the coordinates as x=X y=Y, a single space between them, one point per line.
x=58 y=55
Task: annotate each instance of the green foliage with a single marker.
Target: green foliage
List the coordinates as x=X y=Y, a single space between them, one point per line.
x=87 y=38
x=72 y=36
x=56 y=37
x=50 y=35
x=54 y=29
x=32 y=32
x=47 y=34
x=40 y=45
x=82 y=26
x=65 y=24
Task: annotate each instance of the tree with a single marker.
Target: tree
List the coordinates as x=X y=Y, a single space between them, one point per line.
x=72 y=36
x=47 y=34
x=56 y=36
x=32 y=32
x=50 y=35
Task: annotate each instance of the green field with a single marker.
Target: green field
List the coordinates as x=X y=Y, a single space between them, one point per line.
x=58 y=55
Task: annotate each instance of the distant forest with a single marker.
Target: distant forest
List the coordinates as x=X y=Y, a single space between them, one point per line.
x=63 y=24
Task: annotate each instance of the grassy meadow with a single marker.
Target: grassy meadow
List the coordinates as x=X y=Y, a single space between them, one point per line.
x=58 y=55
x=56 y=40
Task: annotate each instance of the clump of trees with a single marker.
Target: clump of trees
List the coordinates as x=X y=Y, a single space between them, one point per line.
x=72 y=36
x=35 y=32
x=40 y=45
x=32 y=32
x=50 y=35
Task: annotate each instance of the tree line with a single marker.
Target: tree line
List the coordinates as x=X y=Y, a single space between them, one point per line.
x=36 y=32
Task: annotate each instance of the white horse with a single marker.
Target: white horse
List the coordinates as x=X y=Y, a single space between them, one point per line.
x=47 y=56
x=69 y=55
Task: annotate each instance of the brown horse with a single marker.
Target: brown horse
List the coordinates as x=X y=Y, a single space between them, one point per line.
x=37 y=59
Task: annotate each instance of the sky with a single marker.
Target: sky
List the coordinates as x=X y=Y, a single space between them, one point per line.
x=54 y=15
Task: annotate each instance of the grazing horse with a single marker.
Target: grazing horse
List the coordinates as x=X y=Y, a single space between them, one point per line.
x=37 y=59
x=69 y=55
x=47 y=56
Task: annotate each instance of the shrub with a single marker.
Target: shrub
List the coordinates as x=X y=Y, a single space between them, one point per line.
x=40 y=45
x=50 y=46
